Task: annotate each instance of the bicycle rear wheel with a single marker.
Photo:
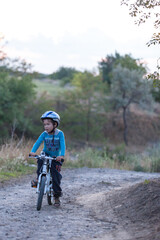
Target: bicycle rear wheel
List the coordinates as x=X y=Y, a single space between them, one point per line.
x=41 y=193
x=49 y=196
x=49 y=199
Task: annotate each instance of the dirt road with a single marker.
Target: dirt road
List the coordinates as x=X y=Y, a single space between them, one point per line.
x=87 y=210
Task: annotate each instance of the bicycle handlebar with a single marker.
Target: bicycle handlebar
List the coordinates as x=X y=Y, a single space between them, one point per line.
x=46 y=157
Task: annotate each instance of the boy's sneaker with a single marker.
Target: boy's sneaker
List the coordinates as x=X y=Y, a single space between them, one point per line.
x=57 y=202
x=34 y=183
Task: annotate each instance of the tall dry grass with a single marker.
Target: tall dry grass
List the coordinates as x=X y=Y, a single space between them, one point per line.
x=14 y=153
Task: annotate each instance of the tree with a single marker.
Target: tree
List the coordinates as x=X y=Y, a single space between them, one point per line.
x=2 y=53
x=144 y=10
x=107 y=65
x=16 y=91
x=15 y=94
x=82 y=109
x=127 y=61
x=129 y=86
x=65 y=74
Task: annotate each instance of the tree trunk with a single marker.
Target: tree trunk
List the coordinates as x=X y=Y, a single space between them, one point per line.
x=125 y=132
x=88 y=122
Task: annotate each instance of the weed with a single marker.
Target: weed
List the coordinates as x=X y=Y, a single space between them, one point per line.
x=146 y=181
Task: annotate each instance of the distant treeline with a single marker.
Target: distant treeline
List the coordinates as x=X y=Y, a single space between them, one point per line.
x=83 y=108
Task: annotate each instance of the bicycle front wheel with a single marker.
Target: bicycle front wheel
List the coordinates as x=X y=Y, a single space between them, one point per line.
x=41 y=193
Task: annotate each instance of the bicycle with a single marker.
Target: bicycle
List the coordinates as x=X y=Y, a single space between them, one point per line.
x=44 y=185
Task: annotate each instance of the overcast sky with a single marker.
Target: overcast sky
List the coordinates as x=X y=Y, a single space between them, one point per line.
x=73 y=33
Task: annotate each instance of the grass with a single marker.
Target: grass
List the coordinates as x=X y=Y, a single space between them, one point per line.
x=21 y=171
x=14 y=161
x=52 y=88
x=88 y=158
x=93 y=158
x=118 y=158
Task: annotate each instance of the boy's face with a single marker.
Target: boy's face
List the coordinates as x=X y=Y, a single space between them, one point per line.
x=48 y=125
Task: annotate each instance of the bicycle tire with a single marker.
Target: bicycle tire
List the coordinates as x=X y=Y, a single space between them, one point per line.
x=41 y=193
x=49 y=199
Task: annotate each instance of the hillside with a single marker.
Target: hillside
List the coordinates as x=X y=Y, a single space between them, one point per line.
x=143 y=126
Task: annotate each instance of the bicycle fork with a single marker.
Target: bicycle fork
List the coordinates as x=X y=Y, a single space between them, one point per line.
x=43 y=173
x=48 y=183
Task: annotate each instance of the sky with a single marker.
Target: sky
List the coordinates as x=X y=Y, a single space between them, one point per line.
x=73 y=33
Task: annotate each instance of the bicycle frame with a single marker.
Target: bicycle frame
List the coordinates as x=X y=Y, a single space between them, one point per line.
x=46 y=171
x=44 y=185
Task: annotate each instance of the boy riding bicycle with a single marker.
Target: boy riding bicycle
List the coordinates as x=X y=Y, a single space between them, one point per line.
x=54 y=146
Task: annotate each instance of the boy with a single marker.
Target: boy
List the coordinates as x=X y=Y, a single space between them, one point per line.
x=54 y=146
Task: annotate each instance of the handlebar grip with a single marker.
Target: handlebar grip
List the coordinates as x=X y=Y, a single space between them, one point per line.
x=33 y=156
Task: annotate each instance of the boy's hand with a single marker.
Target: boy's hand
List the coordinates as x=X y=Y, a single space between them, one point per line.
x=32 y=154
x=59 y=158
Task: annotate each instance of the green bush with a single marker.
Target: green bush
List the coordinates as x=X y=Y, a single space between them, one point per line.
x=117 y=158
x=89 y=158
x=154 y=155
x=118 y=153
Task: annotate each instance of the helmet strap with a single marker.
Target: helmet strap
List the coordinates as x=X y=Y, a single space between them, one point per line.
x=53 y=131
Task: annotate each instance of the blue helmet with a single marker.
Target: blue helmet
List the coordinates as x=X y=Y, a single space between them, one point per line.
x=51 y=115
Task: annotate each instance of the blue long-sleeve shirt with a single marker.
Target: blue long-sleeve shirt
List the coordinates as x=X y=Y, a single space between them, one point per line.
x=52 y=148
